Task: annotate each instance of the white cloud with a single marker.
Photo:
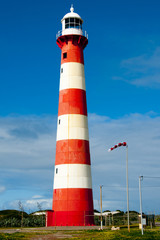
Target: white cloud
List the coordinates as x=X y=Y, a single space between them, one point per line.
x=37 y=196
x=27 y=142
x=2 y=189
x=44 y=203
x=142 y=70
x=31 y=205
x=108 y=205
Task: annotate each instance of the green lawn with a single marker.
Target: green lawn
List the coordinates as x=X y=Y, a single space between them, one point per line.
x=119 y=235
x=86 y=235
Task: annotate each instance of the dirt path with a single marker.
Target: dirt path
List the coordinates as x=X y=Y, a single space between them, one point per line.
x=47 y=229
x=53 y=236
x=49 y=233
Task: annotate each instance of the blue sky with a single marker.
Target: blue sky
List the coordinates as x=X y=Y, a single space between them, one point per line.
x=122 y=70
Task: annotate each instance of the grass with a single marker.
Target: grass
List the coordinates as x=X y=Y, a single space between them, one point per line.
x=24 y=235
x=152 y=234
x=13 y=236
x=118 y=235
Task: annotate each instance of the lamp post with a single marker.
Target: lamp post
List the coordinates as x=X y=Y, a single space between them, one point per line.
x=125 y=145
x=140 y=195
x=101 y=206
x=127 y=187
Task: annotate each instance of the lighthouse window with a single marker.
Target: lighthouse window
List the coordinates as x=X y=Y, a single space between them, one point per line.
x=61 y=70
x=59 y=121
x=80 y=24
x=64 y=55
x=73 y=23
x=67 y=23
x=77 y=23
x=56 y=170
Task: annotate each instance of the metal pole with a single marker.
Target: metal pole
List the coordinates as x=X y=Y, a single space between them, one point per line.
x=140 y=195
x=127 y=187
x=101 y=204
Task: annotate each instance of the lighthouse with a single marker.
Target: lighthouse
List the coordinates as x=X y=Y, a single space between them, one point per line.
x=72 y=187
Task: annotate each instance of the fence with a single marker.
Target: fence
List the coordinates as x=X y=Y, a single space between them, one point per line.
x=86 y=219
x=84 y=33
x=119 y=219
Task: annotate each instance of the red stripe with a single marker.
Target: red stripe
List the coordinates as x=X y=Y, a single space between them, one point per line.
x=74 y=53
x=72 y=101
x=73 y=45
x=72 y=158
x=72 y=199
x=72 y=151
x=74 y=218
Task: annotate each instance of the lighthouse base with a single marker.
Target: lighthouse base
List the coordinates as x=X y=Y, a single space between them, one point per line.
x=74 y=218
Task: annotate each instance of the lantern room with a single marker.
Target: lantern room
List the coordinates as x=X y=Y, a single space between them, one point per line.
x=72 y=23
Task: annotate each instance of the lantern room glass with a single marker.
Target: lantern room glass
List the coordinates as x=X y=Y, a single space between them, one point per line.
x=73 y=23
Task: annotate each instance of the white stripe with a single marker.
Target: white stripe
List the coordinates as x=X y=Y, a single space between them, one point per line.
x=72 y=176
x=72 y=76
x=72 y=126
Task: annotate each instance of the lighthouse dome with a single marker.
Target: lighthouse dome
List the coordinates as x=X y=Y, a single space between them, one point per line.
x=72 y=23
x=72 y=14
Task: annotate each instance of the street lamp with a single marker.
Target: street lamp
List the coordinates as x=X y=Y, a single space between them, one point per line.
x=125 y=145
x=140 y=195
x=101 y=206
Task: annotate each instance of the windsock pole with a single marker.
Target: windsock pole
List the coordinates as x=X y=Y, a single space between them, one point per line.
x=111 y=149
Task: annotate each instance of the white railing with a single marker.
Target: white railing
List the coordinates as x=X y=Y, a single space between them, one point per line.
x=84 y=33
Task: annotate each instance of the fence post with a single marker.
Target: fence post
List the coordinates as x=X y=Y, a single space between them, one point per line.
x=105 y=220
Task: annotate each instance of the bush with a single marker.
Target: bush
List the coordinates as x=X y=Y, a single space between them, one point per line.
x=13 y=218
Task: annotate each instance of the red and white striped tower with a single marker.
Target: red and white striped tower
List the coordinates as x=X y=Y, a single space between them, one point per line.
x=72 y=194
